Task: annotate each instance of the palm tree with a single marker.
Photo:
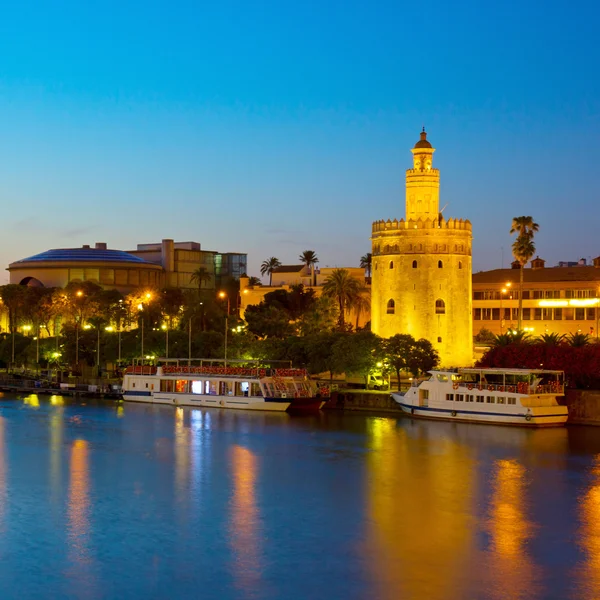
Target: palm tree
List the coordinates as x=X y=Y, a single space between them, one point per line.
x=552 y=339
x=344 y=288
x=268 y=267
x=254 y=282
x=523 y=249
x=362 y=302
x=199 y=276
x=366 y=262
x=310 y=259
x=578 y=339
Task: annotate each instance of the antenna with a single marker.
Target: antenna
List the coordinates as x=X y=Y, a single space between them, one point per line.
x=445 y=205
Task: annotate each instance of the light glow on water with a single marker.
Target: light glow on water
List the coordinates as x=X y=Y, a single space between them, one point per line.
x=136 y=501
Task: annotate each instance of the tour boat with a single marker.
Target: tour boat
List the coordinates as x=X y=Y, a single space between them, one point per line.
x=199 y=382
x=501 y=396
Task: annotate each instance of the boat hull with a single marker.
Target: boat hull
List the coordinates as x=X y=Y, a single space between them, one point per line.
x=236 y=402
x=537 y=417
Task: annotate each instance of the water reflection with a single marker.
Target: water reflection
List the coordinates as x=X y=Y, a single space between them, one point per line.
x=420 y=504
x=510 y=570
x=3 y=482
x=79 y=517
x=244 y=530
x=57 y=424
x=589 y=573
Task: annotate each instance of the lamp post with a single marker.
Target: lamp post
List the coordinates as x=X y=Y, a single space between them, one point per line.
x=503 y=291
x=147 y=297
x=79 y=294
x=225 y=295
x=165 y=327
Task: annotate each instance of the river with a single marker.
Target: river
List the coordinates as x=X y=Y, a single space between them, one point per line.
x=113 y=500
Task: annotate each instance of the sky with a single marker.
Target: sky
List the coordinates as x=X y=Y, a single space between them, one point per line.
x=270 y=128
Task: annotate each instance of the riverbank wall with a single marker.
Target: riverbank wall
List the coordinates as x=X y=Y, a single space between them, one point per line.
x=584 y=407
x=363 y=401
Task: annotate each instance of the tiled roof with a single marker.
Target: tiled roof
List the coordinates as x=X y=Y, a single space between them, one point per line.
x=83 y=255
x=288 y=269
x=546 y=275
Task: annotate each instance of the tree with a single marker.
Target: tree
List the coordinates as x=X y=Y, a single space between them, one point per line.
x=254 y=282
x=344 y=288
x=523 y=249
x=362 y=302
x=309 y=258
x=578 y=340
x=13 y=297
x=398 y=350
x=267 y=320
x=552 y=339
x=200 y=276
x=366 y=262
x=268 y=266
x=356 y=353
x=423 y=357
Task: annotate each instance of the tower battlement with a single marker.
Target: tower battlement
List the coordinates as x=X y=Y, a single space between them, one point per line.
x=426 y=223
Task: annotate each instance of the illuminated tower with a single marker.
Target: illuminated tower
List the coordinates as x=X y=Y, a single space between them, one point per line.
x=421 y=272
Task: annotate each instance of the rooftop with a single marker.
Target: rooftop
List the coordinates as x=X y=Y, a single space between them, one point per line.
x=84 y=254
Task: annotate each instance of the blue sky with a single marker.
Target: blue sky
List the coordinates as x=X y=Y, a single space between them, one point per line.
x=272 y=127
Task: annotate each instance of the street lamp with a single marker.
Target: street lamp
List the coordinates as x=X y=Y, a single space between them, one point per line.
x=503 y=291
x=147 y=297
x=79 y=294
x=225 y=295
x=165 y=328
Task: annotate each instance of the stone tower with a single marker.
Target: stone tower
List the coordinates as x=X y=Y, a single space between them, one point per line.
x=421 y=271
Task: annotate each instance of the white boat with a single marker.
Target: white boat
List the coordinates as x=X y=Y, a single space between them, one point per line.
x=220 y=384
x=502 y=396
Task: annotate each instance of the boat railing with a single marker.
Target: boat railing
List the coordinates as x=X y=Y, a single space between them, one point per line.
x=141 y=370
x=522 y=387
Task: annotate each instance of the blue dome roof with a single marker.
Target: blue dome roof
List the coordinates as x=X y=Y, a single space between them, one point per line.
x=85 y=255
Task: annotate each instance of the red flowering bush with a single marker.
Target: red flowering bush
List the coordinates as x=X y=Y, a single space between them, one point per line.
x=580 y=364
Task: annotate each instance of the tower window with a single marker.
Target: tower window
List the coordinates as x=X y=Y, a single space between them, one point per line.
x=439 y=340
x=440 y=264
x=391 y=307
x=414 y=264
x=459 y=264
x=395 y=247
x=376 y=266
x=391 y=264
x=386 y=249
x=440 y=307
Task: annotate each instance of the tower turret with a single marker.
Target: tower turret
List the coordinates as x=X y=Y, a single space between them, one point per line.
x=422 y=182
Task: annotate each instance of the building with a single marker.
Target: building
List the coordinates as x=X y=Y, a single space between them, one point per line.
x=109 y=268
x=286 y=276
x=163 y=264
x=421 y=268
x=563 y=299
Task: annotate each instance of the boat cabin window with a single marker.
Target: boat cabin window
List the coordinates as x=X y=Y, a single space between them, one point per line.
x=242 y=388
x=197 y=387
x=460 y=397
x=255 y=389
x=211 y=387
x=501 y=400
x=181 y=386
x=450 y=397
x=479 y=398
x=166 y=385
x=491 y=400
x=442 y=377
x=469 y=398
x=511 y=400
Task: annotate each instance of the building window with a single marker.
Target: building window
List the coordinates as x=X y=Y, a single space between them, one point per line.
x=414 y=264
x=440 y=307
x=558 y=314
x=526 y=314
x=391 y=307
x=391 y=264
x=580 y=314
x=477 y=314
x=440 y=264
x=495 y=314
x=537 y=314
